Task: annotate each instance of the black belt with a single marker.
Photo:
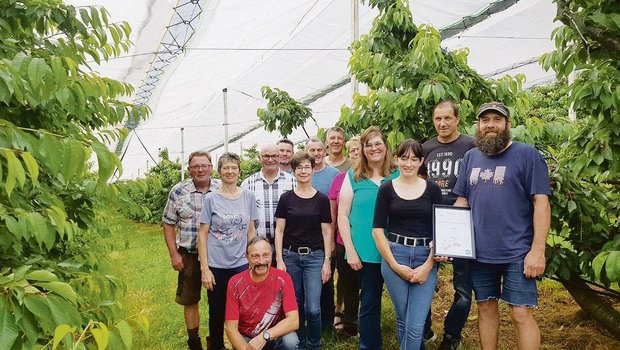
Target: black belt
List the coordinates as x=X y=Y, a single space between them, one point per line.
x=408 y=241
x=302 y=250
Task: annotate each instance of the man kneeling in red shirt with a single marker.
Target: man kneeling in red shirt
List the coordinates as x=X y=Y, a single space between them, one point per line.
x=261 y=309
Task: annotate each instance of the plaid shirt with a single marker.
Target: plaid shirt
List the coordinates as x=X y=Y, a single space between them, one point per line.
x=267 y=197
x=183 y=210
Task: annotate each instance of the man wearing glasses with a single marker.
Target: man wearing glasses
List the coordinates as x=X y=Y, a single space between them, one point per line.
x=268 y=184
x=181 y=222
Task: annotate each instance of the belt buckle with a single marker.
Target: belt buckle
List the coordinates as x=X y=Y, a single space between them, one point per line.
x=303 y=250
x=410 y=241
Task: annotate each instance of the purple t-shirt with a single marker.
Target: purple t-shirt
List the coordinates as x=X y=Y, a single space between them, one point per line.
x=334 y=193
x=500 y=190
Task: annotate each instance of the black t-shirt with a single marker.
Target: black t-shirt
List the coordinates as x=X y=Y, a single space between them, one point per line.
x=406 y=217
x=442 y=162
x=303 y=219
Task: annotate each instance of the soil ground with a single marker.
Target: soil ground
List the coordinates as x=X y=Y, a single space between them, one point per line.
x=562 y=323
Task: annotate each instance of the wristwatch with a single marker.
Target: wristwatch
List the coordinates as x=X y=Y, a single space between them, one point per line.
x=329 y=258
x=266 y=336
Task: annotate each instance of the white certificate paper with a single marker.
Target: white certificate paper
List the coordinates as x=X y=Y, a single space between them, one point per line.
x=453 y=233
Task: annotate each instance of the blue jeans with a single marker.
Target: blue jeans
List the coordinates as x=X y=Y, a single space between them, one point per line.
x=411 y=300
x=305 y=271
x=289 y=341
x=457 y=315
x=371 y=286
x=504 y=281
x=217 y=303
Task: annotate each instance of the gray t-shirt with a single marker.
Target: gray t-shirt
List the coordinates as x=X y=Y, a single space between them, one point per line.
x=229 y=221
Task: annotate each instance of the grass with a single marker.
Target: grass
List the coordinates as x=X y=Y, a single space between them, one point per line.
x=140 y=259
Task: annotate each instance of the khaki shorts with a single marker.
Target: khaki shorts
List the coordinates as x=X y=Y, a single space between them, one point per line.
x=189 y=284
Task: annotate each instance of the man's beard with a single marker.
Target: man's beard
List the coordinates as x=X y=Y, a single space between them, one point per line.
x=492 y=145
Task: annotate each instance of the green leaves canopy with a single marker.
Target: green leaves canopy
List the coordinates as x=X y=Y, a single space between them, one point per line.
x=54 y=111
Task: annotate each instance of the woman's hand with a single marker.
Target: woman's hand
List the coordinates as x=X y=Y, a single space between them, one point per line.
x=280 y=265
x=208 y=280
x=420 y=273
x=354 y=260
x=405 y=272
x=326 y=270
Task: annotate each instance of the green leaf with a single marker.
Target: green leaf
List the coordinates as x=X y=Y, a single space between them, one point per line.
x=8 y=328
x=101 y=335
x=38 y=306
x=60 y=333
x=125 y=333
x=42 y=231
x=105 y=161
x=598 y=263
x=612 y=266
x=60 y=75
x=32 y=166
x=60 y=288
x=13 y=166
x=36 y=71
x=41 y=275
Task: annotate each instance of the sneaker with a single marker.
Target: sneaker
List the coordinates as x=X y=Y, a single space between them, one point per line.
x=429 y=335
x=449 y=343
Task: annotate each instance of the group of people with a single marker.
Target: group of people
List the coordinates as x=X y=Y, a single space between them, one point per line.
x=267 y=251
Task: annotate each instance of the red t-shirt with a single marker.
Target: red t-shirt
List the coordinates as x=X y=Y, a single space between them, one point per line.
x=259 y=306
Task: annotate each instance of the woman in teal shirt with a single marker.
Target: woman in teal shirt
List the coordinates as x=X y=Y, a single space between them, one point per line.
x=355 y=216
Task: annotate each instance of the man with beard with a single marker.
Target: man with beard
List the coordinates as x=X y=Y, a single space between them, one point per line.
x=442 y=158
x=261 y=309
x=506 y=185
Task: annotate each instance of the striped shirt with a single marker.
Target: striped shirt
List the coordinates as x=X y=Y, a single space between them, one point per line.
x=183 y=211
x=267 y=197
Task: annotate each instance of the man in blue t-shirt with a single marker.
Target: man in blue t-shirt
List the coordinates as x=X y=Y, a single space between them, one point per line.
x=506 y=185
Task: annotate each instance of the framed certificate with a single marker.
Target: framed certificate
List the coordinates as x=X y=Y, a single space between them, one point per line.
x=453 y=232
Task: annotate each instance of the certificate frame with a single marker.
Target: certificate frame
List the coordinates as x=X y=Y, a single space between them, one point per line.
x=453 y=232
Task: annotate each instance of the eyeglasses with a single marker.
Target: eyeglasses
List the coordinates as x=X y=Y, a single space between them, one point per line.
x=272 y=156
x=200 y=166
x=304 y=168
x=374 y=145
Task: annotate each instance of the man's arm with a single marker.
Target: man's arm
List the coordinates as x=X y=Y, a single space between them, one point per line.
x=170 y=237
x=534 y=264
x=461 y=202
x=287 y=325
x=232 y=332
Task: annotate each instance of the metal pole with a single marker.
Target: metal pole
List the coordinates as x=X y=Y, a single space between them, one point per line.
x=225 y=92
x=182 y=155
x=355 y=35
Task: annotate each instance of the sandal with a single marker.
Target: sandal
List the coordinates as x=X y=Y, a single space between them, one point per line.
x=338 y=321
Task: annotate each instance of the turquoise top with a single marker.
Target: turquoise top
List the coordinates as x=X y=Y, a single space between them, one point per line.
x=361 y=216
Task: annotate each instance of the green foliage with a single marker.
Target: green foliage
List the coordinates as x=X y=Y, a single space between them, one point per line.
x=408 y=72
x=283 y=113
x=250 y=163
x=51 y=289
x=152 y=191
x=587 y=200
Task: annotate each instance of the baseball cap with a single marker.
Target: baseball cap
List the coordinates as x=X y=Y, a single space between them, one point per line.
x=494 y=106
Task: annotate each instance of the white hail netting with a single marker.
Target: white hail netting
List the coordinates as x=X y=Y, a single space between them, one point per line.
x=299 y=46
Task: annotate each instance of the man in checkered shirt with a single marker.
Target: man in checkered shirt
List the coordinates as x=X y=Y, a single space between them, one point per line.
x=181 y=222
x=268 y=185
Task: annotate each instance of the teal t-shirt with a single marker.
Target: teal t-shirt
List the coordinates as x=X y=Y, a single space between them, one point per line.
x=361 y=216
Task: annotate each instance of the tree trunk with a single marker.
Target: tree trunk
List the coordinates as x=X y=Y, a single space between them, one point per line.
x=593 y=304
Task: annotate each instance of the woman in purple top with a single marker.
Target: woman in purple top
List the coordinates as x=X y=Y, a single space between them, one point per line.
x=347 y=286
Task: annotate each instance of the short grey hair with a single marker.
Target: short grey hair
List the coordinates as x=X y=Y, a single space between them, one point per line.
x=315 y=139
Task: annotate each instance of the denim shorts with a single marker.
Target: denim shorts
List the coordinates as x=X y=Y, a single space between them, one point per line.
x=504 y=281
